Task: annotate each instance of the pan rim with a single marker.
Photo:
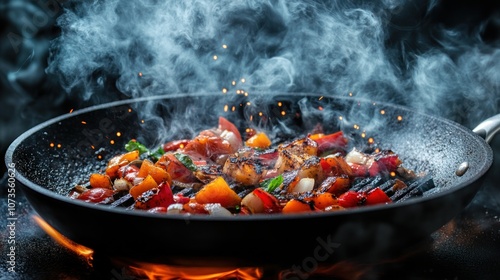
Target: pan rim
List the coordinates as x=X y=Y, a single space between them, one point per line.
x=481 y=144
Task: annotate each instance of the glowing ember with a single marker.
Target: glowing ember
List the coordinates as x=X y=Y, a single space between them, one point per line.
x=80 y=250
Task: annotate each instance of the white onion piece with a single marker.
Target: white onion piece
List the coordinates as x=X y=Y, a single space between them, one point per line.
x=215 y=209
x=122 y=185
x=231 y=138
x=357 y=157
x=304 y=185
x=175 y=208
x=253 y=202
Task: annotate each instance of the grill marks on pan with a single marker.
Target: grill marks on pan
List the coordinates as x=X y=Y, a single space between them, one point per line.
x=414 y=188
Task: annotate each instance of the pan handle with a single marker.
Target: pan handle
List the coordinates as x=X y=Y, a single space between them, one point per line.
x=488 y=128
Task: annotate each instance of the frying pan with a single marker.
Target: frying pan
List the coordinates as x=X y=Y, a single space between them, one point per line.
x=54 y=156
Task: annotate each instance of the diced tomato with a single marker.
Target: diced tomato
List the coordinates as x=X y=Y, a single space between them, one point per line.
x=173 y=146
x=271 y=204
x=97 y=195
x=351 y=199
x=377 y=196
x=156 y=197
x=334 y=141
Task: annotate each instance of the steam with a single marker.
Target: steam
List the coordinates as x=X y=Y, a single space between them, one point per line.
x=144 y=48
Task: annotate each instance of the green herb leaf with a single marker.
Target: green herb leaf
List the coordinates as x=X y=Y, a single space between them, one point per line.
x=271 y=184
x=133 y=145
x=157 y=154
x=186 y=160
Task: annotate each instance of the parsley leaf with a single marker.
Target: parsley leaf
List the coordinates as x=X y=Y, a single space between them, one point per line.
x=133 y=145
x=271 y=184
x=186 y=160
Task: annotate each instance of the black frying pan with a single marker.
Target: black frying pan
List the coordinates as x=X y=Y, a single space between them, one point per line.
x=46 y=172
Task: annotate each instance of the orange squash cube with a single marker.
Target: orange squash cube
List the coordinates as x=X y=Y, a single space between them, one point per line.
x=218 y=191
x=297 y=206
x=120 y=160
x=323 y=200
x=159 y=174
x=146 y=184
x=259 y=140
x=100 y=181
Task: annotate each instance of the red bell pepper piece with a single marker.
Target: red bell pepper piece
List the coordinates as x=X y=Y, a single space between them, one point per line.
x=331 y=141
x=179 y=198
x=271 y=204
x=156 y=197
x=97 y=195
x=385 y=161
x=377 y=196
x=359 y=170
x=351 y=199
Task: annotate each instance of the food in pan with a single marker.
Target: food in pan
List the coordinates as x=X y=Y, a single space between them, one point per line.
x=220 y=173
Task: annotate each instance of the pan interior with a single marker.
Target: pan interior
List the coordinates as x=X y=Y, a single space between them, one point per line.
x=61 y=153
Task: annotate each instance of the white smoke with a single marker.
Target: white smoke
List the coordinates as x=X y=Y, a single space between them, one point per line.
x=150 y=47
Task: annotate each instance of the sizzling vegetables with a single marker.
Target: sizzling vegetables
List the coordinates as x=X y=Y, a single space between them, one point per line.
x=220 y=173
